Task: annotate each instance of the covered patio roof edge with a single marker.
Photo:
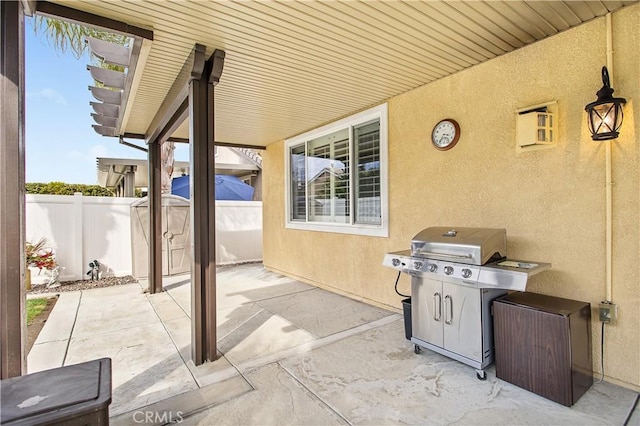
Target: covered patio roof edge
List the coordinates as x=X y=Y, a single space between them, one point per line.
x=85 y=18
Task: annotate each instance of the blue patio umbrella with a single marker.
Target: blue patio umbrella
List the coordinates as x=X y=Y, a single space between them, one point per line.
x=227 y=188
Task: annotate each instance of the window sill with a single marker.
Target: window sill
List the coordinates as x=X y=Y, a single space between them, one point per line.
x=364 y=230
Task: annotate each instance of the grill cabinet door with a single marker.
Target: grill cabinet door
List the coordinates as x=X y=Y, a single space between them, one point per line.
x=427 y=315
x=462 y=320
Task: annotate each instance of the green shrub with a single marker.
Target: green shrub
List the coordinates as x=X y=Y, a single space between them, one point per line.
x=61 y=188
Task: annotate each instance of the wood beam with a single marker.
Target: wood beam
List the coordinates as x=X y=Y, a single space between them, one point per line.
x=173 y=103
x=183 y=140
x=29 y=7
x=84 y=18
x=239 y=145
x=180 y=115
x=12 y=183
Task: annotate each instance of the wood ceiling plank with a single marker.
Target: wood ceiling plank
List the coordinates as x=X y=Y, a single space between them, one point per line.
x=568 y=15
x=520 y=15
x=441 y=66
x=330 y=18
x=474 y=29
x=555 y=14
x=384 y=23
x=265 y=71
x=485 y=18
x=501 y=21
x=301 y=42
x=256 y=36
x=447 y=32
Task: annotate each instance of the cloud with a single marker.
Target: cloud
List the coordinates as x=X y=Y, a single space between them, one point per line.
x=48 y=94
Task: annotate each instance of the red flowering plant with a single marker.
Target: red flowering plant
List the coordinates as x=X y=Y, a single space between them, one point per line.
x=39 y=256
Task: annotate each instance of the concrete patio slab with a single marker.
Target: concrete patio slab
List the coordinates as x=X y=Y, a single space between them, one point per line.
x=261 y=335
x=146 y=365
x=175 y=409
x=233 y=317
x=166 y=307
x=376 y=378
x=50 y=348
x=65 y=317
x=289 y=354
x=322 y=313
x=278 y=400
x=47 y=355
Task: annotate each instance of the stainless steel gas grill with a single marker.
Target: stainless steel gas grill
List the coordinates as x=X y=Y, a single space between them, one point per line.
x=455 y=275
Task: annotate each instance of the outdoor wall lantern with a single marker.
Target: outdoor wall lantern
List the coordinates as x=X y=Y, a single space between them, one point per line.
x=605 y=114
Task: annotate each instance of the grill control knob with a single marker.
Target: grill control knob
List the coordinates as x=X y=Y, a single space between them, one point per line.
x=395 y=262
x=417 y=265
x=448 y=270
x=432 y=267
x=466 y=273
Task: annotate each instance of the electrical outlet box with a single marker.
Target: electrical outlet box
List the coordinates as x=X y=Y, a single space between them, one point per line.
x=608 y=312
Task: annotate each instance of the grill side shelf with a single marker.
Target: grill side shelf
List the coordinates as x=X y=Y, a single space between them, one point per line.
x=503 y=276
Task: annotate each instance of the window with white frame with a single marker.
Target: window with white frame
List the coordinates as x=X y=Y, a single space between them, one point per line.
x=336 y=177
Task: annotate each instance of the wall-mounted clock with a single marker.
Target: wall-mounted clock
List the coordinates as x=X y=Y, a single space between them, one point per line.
x=445 y=134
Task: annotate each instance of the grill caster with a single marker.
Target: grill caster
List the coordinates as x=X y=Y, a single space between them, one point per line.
x=417 y=349
x=481 y=374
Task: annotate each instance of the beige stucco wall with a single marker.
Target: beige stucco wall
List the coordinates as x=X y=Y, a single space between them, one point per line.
x=552 y=202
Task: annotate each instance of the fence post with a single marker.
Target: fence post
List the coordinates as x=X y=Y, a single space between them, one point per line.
x=78 y=238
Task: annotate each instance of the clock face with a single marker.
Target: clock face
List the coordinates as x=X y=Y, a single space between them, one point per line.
x=445 y=134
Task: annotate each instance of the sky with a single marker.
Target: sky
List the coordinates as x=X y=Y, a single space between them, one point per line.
x=61 y=145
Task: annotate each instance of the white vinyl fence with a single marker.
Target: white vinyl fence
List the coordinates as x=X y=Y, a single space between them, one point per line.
x=80 y=229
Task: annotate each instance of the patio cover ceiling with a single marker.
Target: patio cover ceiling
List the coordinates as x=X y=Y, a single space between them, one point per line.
x=292 y=66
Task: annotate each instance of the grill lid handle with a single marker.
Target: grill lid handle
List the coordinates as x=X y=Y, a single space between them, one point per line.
x=453 y=256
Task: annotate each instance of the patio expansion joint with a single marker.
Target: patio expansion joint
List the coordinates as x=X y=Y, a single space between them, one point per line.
x=175 y=301
x=179 y=407
x=73 y=326
x=243 y=323
x=325 y=403
x=249 y=365
x=264 y=299
x=164 y=326
x=252 y=364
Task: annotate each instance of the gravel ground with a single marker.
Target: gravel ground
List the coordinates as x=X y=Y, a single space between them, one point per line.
x=82 y=285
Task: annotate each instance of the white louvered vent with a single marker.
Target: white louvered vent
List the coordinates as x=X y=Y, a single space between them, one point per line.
x=536 y=126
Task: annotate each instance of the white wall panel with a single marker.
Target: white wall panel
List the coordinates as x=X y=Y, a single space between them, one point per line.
x=80 y=229
x=238 y=231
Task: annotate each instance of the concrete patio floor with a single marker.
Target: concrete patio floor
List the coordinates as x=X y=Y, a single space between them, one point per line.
x=290 y=354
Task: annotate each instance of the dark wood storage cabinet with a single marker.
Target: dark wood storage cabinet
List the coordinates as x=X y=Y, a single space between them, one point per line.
x=543 y=344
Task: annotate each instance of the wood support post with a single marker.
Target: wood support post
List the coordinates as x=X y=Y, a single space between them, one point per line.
x=202 y=181
x=155 y=219
x=12 y=182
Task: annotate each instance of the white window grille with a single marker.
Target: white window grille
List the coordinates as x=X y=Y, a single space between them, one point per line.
x=336 y=177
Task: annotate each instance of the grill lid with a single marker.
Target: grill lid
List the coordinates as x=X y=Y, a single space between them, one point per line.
x=475 y=246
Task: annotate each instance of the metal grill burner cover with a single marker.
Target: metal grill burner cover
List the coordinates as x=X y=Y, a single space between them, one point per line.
x=474 y=246
x=470 y=256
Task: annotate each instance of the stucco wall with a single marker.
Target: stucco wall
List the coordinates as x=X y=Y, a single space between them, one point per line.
x=552 y=202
